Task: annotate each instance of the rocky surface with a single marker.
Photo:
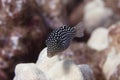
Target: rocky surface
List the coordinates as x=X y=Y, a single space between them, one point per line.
x=53 y=69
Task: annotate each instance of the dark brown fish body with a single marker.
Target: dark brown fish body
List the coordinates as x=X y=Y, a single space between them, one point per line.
x=60 y=39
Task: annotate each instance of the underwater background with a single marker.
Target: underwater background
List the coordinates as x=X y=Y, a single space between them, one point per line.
x=26 y=24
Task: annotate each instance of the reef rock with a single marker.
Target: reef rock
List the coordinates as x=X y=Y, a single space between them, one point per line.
x=99 y=39
x=96 y=15
x=52 y=69
x=28 y=72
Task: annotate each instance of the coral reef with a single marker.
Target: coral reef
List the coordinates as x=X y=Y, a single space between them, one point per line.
x=101 y=52
x=25 y=25
x=18 y=32
x=111 y=65
x=52 y=69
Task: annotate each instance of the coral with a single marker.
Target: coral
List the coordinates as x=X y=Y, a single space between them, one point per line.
x=86 y=70
x=66 y=71
x=110 y=55
x=80 y=53
x=96 y=14
x=44 y=62
x=25 y=25
x=21 y=27
x=77 y=15
x=114 y=5
x=110 y=65
x=52 y=69
x=53 y=12
x=114 y=32
x=102 y=52
x=28 y=72
x=99 y=39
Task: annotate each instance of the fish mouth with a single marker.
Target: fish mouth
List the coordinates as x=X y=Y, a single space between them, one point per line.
x=50 y=54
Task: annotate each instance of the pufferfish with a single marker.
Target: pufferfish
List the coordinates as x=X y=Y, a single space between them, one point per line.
x=60 y=38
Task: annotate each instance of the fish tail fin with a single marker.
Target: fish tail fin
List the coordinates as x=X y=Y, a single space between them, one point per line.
x=79 y=30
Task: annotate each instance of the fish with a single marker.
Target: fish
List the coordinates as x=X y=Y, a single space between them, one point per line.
x=61 y=38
